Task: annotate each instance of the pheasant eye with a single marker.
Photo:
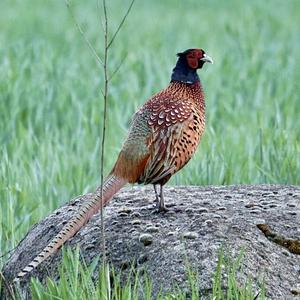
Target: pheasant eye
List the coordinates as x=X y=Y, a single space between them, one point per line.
x=200 y=54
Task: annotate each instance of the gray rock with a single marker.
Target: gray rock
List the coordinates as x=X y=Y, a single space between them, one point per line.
x=190 y=235
x=152 y=229
x=146 y=239
x=225 y=216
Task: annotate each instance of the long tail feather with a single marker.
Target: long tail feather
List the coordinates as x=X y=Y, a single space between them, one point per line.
x=111 y=186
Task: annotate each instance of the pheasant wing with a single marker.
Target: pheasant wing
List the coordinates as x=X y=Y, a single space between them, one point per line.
x=176 y=130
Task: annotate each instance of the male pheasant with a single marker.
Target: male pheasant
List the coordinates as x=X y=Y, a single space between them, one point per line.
x=162 y=138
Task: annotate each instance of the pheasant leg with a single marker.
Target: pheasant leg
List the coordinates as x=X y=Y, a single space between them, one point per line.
x=156 y=194
x=161 y=203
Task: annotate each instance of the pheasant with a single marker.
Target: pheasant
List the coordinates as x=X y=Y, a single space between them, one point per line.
x=162 y=138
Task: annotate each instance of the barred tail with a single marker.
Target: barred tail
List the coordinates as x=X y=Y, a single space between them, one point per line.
x=111 y=186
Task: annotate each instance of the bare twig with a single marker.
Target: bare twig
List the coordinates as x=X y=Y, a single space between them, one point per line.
x=7 y=287
x=107 y=45
x=256 y=296
x=92 y=49
x=105 y=96
x=117 y=68
x=105 y=91
x=121 y=24
x=100 y=13
x=7 y=252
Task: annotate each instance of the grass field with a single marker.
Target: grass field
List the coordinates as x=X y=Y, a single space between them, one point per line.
x=51 y=106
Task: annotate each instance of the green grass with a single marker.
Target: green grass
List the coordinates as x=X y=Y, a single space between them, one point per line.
x=77 y=282
x=51 y=108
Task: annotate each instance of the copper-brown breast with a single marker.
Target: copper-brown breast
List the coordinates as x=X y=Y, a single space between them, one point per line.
x=177 y=121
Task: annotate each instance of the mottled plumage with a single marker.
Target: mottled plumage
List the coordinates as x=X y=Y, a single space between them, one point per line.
x=177 y=120
x=163 y=136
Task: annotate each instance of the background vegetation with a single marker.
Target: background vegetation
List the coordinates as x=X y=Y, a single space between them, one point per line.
x=50 y=103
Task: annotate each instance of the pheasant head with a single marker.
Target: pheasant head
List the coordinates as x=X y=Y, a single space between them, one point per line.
x=187 y=64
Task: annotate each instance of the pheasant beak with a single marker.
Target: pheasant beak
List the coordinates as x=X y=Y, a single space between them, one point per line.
x=206 y=58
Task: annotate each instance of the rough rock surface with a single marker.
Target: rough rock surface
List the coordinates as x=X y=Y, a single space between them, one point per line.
x=199 y=222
